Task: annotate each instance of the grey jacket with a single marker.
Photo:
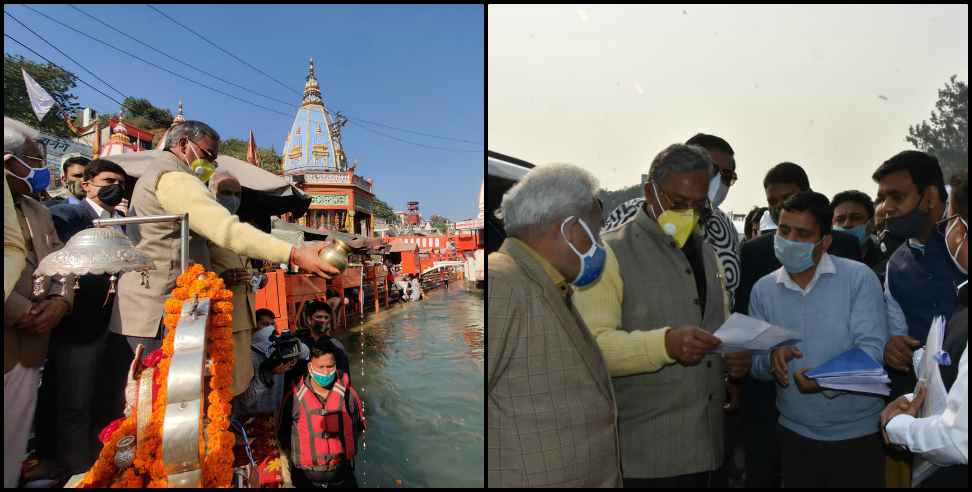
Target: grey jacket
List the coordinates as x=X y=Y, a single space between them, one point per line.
x=671 y=420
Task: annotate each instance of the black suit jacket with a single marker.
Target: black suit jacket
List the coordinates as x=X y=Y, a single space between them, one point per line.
x=92 y=303
x=757 y=260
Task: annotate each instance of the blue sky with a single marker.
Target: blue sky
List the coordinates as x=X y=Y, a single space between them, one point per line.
x=415 y=67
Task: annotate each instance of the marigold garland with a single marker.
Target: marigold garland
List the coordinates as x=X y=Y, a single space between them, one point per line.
x=216 y=453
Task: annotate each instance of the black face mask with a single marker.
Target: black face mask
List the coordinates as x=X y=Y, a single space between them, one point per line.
x=909 y=225
x=111 y=195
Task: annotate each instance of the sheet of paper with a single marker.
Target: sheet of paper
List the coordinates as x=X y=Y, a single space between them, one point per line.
x=936 y=398
x=744 y=333
x=856 y=379
x=875 y=388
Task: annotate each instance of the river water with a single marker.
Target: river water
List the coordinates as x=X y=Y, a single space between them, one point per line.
x=421 y=378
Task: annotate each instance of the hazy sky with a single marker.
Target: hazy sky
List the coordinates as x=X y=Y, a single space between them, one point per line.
x=608 y=87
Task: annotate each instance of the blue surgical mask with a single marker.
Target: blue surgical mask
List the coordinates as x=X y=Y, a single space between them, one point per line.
x=795 y=256
x=858 y=231
x=323 y=380
x=592 y=262
x=37 y=179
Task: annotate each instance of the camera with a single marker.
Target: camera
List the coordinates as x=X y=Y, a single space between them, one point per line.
x=284 y=347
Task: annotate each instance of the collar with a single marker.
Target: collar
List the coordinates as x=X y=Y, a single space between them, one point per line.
x=557 y=278
x=826 y=265
x=97 y=208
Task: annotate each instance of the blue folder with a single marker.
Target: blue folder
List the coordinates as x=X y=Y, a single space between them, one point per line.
x=854 y=361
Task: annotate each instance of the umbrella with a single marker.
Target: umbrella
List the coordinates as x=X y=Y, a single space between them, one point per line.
x=264 y=193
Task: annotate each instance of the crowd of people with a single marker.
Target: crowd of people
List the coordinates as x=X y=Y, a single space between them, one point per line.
x=603 y=368
x=68 y=352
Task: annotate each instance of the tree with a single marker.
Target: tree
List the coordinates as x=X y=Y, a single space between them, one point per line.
x=143 y=114
x=55 y=80
x=383 y=211
x=269 y=159
x=439 y=222
x=947 y=134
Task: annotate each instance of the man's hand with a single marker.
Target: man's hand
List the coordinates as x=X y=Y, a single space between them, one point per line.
x=688 y=343
x=43 y=316
x=778 y=363
x=308 y=257
x=805 y=384
x=122 y=207
x=286 y=366
x=739 y=364
x=898 y=352
x=902 y=406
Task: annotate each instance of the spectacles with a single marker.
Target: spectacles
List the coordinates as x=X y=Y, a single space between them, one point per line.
x=209 y=156
x=703 y=208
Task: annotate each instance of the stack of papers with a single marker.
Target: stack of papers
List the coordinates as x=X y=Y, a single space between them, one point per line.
x=741 y=333
x=853 y=370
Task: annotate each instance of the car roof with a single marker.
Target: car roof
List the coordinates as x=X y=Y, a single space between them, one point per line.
x=506 y=167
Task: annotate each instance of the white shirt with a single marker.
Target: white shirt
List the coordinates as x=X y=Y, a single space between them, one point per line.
x=102 y=213
x=941 y=439
x=826 y=265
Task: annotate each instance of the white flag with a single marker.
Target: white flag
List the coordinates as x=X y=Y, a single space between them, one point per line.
x=40 y=100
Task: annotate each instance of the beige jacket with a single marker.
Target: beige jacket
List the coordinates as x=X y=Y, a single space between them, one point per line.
x=170 y=188
x=30 y=349
x=550 y=407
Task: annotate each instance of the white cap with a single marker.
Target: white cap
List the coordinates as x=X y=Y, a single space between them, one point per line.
x=766 y=222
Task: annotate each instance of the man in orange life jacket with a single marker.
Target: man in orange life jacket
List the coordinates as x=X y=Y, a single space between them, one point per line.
x=327 y=418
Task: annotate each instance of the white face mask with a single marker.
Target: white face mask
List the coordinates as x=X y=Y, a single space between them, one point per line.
x=961 y=245
x=717 y=190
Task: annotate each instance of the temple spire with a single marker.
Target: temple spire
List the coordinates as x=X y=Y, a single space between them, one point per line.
x=312 y=90
x=179 y=118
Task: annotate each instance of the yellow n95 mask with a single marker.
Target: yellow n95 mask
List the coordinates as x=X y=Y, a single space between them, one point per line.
x=202 y=168
x=678 y=224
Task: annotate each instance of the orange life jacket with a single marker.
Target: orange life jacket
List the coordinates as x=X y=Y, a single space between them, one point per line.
x=323 y=436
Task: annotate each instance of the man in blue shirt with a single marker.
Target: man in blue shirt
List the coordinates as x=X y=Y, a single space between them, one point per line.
x=828 y=438
x=921 y=280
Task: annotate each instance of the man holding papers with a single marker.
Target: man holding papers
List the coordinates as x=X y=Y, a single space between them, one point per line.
x=828 y=438
x=943 y=438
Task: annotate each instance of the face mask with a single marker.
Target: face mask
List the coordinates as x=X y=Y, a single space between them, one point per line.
x=592 y=262
x=859 y=231
x=231 y=203
x=37 y=179
x=678 y=224
x=202 y=168
x=111 y=195
x=907 y=226
x=323 y=380
x=795 y=256
x=717 y=190
x=74 y=188
x=960 y=246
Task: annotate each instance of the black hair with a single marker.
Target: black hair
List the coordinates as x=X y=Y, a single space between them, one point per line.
x=787 y=172
x=323 y=346
x=74 y=161
x=710 y=142
x=922 y=167
x=960 y=193
x=816 y=204
x=752 y=217
x=315 y=306
x=264 y=312
x=99 y=166
x=855 y=196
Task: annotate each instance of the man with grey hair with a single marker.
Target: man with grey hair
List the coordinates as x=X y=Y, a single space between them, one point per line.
x=27 y=318
x=551 y=410
x=653 y=313
x=175 y=183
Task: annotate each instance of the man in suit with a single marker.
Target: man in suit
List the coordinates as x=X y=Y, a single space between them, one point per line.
x=551 y=410
x=757 y=260
x=72 y=401
x=27 y=319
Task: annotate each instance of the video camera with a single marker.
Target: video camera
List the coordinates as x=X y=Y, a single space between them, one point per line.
x=285 y=347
